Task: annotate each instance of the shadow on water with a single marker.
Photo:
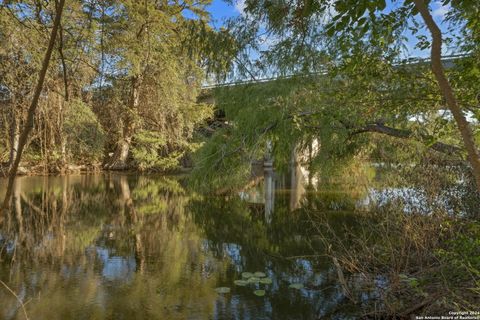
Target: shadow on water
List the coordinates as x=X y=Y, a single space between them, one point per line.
x=143 y=247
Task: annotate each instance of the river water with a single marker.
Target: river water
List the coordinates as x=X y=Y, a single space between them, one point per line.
x=113 y=246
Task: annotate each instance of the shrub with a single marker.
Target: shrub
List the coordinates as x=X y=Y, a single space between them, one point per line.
x=84 y=135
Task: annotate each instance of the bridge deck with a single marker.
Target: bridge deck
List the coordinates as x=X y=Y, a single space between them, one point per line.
x=447 y=60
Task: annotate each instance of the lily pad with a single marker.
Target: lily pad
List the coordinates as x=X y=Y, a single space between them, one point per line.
x=253 y=280
x=259 y=293
x=241 y=283
x=296 y=286
x=247 y=275
x=266 y=281
x=222 y=289
x=259 y=274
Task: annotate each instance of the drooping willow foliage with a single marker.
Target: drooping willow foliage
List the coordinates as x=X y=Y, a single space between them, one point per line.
x=347 y=83
x=376 y=111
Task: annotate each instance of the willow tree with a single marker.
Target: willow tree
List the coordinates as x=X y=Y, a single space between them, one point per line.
x=351 y=78
x=155 y=74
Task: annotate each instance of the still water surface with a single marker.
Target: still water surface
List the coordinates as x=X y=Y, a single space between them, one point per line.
x=143 y=247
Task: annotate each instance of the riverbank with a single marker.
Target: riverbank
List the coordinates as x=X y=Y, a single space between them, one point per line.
x=41 y=170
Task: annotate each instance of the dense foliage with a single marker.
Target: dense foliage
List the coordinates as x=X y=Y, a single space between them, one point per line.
x=346 y=82
x=122 y=86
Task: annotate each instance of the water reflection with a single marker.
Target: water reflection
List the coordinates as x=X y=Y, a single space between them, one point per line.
x=127 y=247
x=269 y=178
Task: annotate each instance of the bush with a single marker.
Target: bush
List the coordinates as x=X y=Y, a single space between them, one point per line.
x=84 y=135
x=150 y=152
x=422 y=240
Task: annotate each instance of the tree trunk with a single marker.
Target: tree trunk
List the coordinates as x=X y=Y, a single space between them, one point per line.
x=119 y=160
x=135 y=221
x=14 y=140
x=17 y=191
x=447 y=91
x=33 y=105
x=60 y=133
x=63 y=102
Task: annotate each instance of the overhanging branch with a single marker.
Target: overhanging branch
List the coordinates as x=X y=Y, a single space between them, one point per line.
x=407 y=134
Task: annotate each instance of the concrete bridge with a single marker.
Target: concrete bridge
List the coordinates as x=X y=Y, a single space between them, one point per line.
x=448 y=62
x=298 y=177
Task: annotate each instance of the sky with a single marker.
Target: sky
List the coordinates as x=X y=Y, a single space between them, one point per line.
x=220 y=10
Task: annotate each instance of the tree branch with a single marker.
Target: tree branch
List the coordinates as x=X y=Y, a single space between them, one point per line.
x=407 y=134
x=64 y=65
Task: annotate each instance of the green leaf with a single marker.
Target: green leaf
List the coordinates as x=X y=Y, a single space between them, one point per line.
x=382 y=5
x=361 y=22
x=259 y=293
x=259 y=274
x=297 y=286
x=254 y=280
x=413 y=282
x=247 y=275
x=241 y=283
x=266 y=281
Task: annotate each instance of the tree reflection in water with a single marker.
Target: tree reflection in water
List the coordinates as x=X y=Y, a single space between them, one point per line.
x=116 y=246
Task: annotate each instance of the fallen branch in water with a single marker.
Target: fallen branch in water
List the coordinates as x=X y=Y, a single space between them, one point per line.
x=18 y=299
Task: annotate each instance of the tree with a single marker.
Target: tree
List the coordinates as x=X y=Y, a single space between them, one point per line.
x=351 y=77
x=25 y=25
x=124 y=75
x=161 y=72
x=17 y=78
x=33 y=106
x=447 y=91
